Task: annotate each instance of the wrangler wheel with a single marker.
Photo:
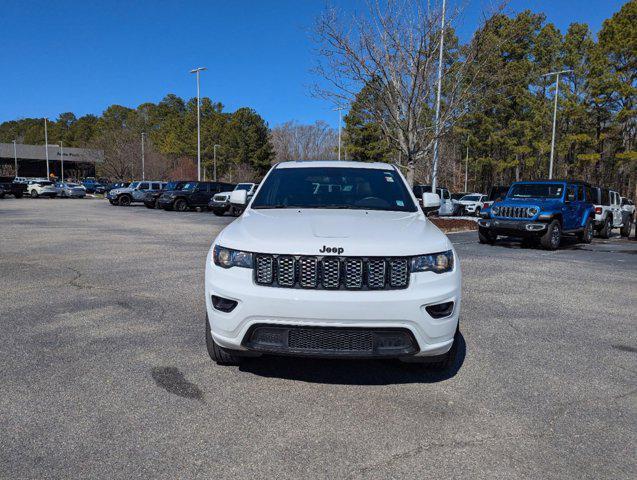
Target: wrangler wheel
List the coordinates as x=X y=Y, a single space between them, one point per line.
x=553 y=236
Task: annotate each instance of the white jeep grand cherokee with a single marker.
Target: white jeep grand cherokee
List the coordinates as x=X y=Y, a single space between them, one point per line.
x=332 y=259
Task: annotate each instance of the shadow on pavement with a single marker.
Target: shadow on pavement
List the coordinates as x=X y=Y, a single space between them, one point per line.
x=352 y=372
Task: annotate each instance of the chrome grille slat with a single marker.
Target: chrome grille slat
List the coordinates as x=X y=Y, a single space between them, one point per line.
x=331 y=272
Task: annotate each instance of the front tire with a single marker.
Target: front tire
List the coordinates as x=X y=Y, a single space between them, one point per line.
x=587 y=235
x=218 y=212
x=124 y=201
x=552 y=238
x=218 y=354
x=477 y=212
x=605 y=231
x=34 y=194
x=486 y=236
x=181 y=205
x=628 y=225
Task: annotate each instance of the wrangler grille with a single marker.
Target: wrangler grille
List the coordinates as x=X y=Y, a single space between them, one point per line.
x=513 y=212
x=351 y=273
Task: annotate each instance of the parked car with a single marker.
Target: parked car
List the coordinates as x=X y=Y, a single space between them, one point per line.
x=220 y=203
x=71 y=190
x=151 y=199
x=496 y=193
x=472 y=204
x=330 y=278
x=191 y=195
x=135 y=192
x=9 y=186
x=41 y=188
x=609 y=213
x=543 y=211
x=446 y=204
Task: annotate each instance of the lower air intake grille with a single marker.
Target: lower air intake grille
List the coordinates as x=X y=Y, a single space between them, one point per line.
x=331 y=339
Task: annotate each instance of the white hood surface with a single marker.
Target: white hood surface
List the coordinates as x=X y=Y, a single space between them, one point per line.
x=357 y=232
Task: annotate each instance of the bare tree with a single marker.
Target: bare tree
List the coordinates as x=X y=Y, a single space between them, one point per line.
x=392 y=51
x=293 y=141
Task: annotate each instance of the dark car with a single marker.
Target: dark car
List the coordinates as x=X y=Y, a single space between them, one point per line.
x=496 y=193
x=8 y=186
x=151 y=199
x=191 y=195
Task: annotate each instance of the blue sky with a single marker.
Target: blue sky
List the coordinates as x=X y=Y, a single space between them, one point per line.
x=83 y=56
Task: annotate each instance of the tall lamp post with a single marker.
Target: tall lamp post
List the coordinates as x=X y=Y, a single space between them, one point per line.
x=214 y=162
x=46 y=148
x=15 y=158
x=466 y=167
x=62 y=160
x=340 y=123
x=434 y=168
x=197 y=70
x=143 y=164
x=557 y=91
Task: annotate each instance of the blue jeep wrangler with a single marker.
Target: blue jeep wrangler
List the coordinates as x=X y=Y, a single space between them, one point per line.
x=541 y=210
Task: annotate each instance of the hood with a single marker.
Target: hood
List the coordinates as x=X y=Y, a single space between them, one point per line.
x=543 y=203
x=468 y=202
x=357 y=232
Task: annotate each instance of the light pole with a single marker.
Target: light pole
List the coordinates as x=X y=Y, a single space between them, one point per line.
x=434 y=168
x=214 y=162
x=46 y=148
x=197 y=70
x=15 y=158
x=466 y=167
x=62 y=160
x=340 y=122
x=143 y=165
x=557 y=91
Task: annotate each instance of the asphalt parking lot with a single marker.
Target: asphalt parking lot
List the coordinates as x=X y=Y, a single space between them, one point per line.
x=105 y=372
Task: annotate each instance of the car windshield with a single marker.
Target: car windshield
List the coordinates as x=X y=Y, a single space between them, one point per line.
x=536 y=190
x=470 y=198
x=244 y=186
x=189 y=186
x=133 y=185
x=173 y=185
x=347 y=188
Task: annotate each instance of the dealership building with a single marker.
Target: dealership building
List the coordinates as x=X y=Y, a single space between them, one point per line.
x=32 y=160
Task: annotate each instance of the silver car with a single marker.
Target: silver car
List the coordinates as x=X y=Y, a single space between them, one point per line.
x=70 y=190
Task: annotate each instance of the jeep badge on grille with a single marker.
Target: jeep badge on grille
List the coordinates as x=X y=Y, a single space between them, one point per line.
x=326 y=249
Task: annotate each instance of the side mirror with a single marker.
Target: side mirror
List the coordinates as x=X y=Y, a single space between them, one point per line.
x=430 y=200
x=239 y=197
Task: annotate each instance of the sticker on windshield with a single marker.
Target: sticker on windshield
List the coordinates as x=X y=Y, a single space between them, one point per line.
x=400 y=203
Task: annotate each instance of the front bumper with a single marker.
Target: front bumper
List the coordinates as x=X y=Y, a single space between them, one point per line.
x=166 y=202
x=513 y=227
x=394 y=310
x=218 y=205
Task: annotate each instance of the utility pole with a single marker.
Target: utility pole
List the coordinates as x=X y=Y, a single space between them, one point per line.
x=62 y=160
x=46 y=149
x=197 y=70
x=214 y=162
x=466 y=167
x=143 y=159
x=340 y=121
x=557 y=91
x=434 y=169
x=15 y=158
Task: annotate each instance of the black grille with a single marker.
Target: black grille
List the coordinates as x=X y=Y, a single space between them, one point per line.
x=513 y=212
x=352 y=273
x=331 y=339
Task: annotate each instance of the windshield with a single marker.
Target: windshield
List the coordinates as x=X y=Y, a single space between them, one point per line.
x=244 y=186
x=348 y=188
x=133 y=185
x=173 y=185
x=189 y=186
x=536 y=190
x=470 y=198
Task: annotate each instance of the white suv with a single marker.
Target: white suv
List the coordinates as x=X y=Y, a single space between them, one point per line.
x=333 y=259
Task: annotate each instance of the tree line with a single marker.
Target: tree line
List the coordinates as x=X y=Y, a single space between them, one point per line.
x=496 y=100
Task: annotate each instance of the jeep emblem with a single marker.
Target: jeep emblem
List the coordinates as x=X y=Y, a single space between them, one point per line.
x=326 y=249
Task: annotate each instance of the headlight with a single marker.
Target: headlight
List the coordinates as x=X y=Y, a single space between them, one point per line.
x=436 y=262
x=227 y=258
x=532 y=211
x=495 y=210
